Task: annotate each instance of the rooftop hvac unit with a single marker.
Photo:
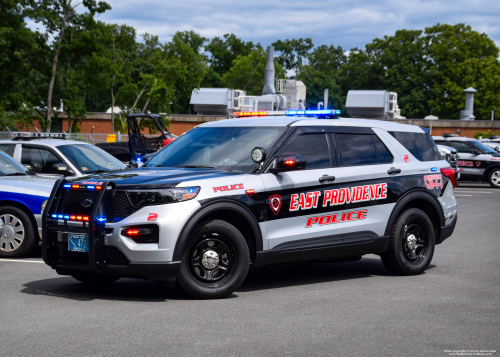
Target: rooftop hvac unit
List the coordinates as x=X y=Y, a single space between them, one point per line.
x=373 y=104
x=220 y=101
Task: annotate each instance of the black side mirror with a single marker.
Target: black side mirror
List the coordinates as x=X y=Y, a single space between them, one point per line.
x=132 y=164
x=289 y=163
x=36 y=167
x=61 y=169
x=476 y=152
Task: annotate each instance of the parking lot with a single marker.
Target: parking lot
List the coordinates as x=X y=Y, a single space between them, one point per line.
x=348 y=309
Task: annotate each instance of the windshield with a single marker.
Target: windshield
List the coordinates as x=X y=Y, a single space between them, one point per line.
x=10 y=167
x=89 y=159
x=221 y=148
x=483 y=147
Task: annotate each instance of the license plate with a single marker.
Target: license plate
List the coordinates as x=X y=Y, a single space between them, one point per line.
x=78 y=243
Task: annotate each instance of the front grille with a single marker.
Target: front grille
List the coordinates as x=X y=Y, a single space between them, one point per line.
x=71 y=202
x=113 y=254
x=119 y=209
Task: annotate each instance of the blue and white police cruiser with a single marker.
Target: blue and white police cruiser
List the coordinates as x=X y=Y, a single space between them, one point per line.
x=237 y=194
x=23 y=197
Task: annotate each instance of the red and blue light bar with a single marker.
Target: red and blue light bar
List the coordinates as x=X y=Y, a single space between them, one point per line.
x=250 y=114
x=313 y=112
x=74 y=217
x=78 y=187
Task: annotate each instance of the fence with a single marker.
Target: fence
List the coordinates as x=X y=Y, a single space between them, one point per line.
x=87 y=138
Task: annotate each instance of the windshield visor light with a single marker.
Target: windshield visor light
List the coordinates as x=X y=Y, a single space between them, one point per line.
x=258 y=154
x=162 y=196
x=313 y=112
x=250 y=114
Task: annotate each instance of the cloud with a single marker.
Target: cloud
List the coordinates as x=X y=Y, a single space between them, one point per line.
x=346 y=23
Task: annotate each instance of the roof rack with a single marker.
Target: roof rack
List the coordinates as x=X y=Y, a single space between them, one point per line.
x=30 y=136
x=449 y=135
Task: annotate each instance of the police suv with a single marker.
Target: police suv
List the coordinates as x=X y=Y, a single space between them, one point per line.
x=252 y=192
x=477 y=161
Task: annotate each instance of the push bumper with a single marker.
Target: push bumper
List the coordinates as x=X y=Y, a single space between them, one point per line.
x=447 y=231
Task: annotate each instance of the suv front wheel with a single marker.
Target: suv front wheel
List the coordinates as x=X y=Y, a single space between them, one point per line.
x=494 y=177
x=215 y=262
x=411 y=244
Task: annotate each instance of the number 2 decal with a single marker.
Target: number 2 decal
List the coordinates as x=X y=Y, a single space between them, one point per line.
x=153 y=216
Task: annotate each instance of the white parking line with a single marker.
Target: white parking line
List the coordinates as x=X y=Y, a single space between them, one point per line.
x=463 y=195
x=473 y=191
x=22 y=261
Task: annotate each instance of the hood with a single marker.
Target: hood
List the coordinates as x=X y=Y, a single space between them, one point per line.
x=31 y=185
x=155 y=177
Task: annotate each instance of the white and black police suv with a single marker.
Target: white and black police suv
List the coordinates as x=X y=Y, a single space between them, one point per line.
x=247 y=193
x=477 y=161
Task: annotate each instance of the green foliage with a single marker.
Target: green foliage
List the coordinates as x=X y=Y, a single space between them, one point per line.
x=486 y=134
x=248 y=72
x=293 y=52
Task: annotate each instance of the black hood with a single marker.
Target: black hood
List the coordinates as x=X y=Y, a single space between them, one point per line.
x=155 y=177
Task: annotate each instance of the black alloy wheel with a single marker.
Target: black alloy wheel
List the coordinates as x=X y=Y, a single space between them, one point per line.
x=215 y=262
x=411 y=245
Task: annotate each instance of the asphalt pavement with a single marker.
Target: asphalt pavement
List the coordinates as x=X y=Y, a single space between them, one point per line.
x=347 y=309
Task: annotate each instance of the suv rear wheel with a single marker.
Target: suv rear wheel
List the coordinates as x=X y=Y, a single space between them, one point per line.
x=412 y=244
x=494 y=177
x=17 y=234
x=215 y=262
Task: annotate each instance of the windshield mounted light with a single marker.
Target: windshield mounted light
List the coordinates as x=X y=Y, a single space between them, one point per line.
x=258 y=154
x=162 y=196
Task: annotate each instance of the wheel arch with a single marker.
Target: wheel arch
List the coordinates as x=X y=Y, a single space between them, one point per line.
x=488 y=170
x=232 y=212
x=23 y=208
x=423 y=200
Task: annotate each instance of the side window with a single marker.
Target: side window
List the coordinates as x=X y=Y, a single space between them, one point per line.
x=461 y=147
x=42 y=156
x=357 y=149
x=314 y=148
x=441 y=143
x=384 y=156
x=8 y=149
x=417 y=144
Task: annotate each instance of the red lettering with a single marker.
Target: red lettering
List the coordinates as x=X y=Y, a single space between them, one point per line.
x=334 y=218
x=215 y=189
x=325 y=220
x=372 y=192
x=335 y=195
x=309 y=200
x=362 y=214
x=152 y=216
x=311 y=221
x=302 y=201
x=384 y=191
x=343 y=217
x=240 y=186
x=316 y=196
x=359 y=193
x=377 y=191
x=366 y=193
x=327 y=198
x=349 y=216
x=293 y=202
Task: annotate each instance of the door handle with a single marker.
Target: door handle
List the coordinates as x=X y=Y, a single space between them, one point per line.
x=393 y=170
x=326 y=178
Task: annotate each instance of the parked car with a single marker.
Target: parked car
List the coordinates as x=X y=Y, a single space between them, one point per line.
x=23 y=196
x=451 y=155
x=57 y=157
x=478 y=161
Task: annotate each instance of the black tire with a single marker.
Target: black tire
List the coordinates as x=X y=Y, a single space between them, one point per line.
x=19 y=223
x=494 y=177
x=231 y=261
x=94 y=278
x=400 y=259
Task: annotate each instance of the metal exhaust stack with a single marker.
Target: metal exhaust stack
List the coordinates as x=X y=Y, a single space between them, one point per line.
x=270 y=73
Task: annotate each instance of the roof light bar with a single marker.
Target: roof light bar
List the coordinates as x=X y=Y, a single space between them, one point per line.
x=250 y=114
x=313 y=112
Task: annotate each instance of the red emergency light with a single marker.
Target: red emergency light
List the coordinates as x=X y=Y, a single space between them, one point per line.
x=250 y=114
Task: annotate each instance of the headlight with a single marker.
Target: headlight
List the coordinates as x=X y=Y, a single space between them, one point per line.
x=162 y=196
x=43 y=205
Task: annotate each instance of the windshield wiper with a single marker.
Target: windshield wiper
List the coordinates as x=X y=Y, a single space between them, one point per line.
x=16 y=174
x=198 y=167
x=95 y=171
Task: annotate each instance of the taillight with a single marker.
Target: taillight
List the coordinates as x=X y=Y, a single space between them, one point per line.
x=451 y=174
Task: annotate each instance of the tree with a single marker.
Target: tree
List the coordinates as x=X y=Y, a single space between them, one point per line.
x=224 y=51
x=293 y=52
x=462 y=58
x=54 y=14
x=248 y=71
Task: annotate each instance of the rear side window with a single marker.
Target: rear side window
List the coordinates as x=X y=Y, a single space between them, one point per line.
x=357 y=149
x=8 y=149
x=461 y=147
x=314 y=148
x=384 y=156
x=417 y=144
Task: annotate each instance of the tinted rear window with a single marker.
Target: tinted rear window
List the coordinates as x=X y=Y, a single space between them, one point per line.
x=384 y=156
x=417 y=144
x=357 y=149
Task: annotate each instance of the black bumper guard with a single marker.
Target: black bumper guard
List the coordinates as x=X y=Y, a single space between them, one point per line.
x=95 y=229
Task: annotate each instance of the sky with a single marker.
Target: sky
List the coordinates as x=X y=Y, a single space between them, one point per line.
x=351 y=23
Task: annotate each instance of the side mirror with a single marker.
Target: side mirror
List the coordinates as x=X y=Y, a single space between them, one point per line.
x=62 y=169
x=289 y=163
x=36 y=167
x=476 y=152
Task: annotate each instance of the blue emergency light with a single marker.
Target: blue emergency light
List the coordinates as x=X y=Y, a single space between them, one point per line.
x=312 y=112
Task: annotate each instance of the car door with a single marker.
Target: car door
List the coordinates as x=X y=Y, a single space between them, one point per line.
x=44 y=156
x=370 y=171
x=467 y=161
x=297 y=220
